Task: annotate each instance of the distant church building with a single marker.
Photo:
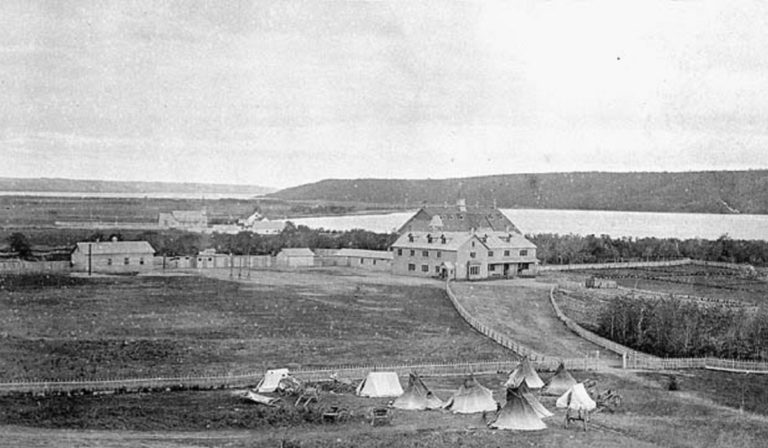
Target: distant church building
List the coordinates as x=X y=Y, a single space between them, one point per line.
x=184 y=220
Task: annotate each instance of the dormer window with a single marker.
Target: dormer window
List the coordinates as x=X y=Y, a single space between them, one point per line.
x=410 y=237
x=429 y=239
x=442 y=239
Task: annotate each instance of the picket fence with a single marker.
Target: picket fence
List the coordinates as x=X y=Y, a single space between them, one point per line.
x=633 y=359
x=352 y=373
x=617 y=265
x=544 y=361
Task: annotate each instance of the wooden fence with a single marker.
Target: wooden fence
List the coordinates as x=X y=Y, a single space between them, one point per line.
x=544 y=361
x=617 y=265
x=588 y=335
x=633 y=359
x=353 y=373
x=25 y=267
x=726 y=365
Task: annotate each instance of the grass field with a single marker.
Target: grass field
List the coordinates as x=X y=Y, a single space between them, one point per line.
x=60 y=327
x=521 y=310
x=704 y=281
x=649 y=416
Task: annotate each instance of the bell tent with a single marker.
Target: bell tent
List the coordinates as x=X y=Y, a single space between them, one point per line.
x=470 y=398
x=524 y=372
x=417 y=396
x=530 y=397
x=576 y=398
x=517 y=414
x=560 y=383
x=380 y=384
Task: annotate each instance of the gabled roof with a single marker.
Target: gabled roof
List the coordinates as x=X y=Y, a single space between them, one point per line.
x=421 y=240
x=499 y=240
x=454 y=240
x=297 y=252
x=458 y=219
x=116 y=247
x=362 y=253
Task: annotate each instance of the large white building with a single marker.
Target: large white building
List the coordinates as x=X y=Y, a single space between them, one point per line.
x=463 y=255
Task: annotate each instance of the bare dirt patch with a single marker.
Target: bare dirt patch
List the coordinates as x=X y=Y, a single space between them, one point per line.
x=178 y=326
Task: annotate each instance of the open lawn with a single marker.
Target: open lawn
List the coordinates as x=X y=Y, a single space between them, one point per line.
x=649 y=416
x=521 y=310
x=62 y=327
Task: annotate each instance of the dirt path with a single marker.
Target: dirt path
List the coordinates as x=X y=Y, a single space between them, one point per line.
x=521 y=309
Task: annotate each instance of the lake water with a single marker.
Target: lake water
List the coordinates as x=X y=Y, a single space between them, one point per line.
x=108 y=195
x=584 y=222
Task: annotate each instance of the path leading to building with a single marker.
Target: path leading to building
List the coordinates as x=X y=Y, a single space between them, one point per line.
x=520 y=309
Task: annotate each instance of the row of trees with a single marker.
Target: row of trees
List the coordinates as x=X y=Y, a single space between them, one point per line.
x=185 y=243
x=551 y=248
x=566 y=249
x=671 y=328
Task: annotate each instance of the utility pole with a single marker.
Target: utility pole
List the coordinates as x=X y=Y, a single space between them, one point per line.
x=90 y=258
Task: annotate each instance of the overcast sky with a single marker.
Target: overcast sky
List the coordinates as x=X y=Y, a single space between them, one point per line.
x=283 y=93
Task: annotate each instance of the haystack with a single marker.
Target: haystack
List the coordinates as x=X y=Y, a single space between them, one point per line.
x=470 y=398
x=576 y=398
x=417 y=396
x=560 y=383
x=517 y=414
x=524 y=372
x=380 y=384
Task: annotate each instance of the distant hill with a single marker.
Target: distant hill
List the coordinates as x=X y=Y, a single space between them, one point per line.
x=702 y=192
x=102 y=186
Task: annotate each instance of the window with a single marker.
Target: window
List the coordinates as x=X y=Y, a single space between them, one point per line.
x=473 y=244
x=425 y=253
x=524 y=252
x=109 y=262
x=362 y=261
x=474 y=270
x=413 y=252
x=141 y=260
x=472 y=255
x=127 y=260
x=506 y=253
x=424 y=268
x=439 y=254
x=399 y=252
x=492 y=267
x=374 y=262
x=411 y=267
x=490 y=253
x=437 y=269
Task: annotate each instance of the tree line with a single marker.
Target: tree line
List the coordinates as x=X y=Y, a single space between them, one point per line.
x=551 y=248
x=673 y=328
x=576 y=249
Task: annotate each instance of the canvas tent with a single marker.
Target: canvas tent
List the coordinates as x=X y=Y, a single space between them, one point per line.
x=271 y=380
x=470 y=398
x=517 y=414
x=417 y=396
x=380 y=384
x=524 y=372
x=576 y=398
x=530 y=397
x=560 y=383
